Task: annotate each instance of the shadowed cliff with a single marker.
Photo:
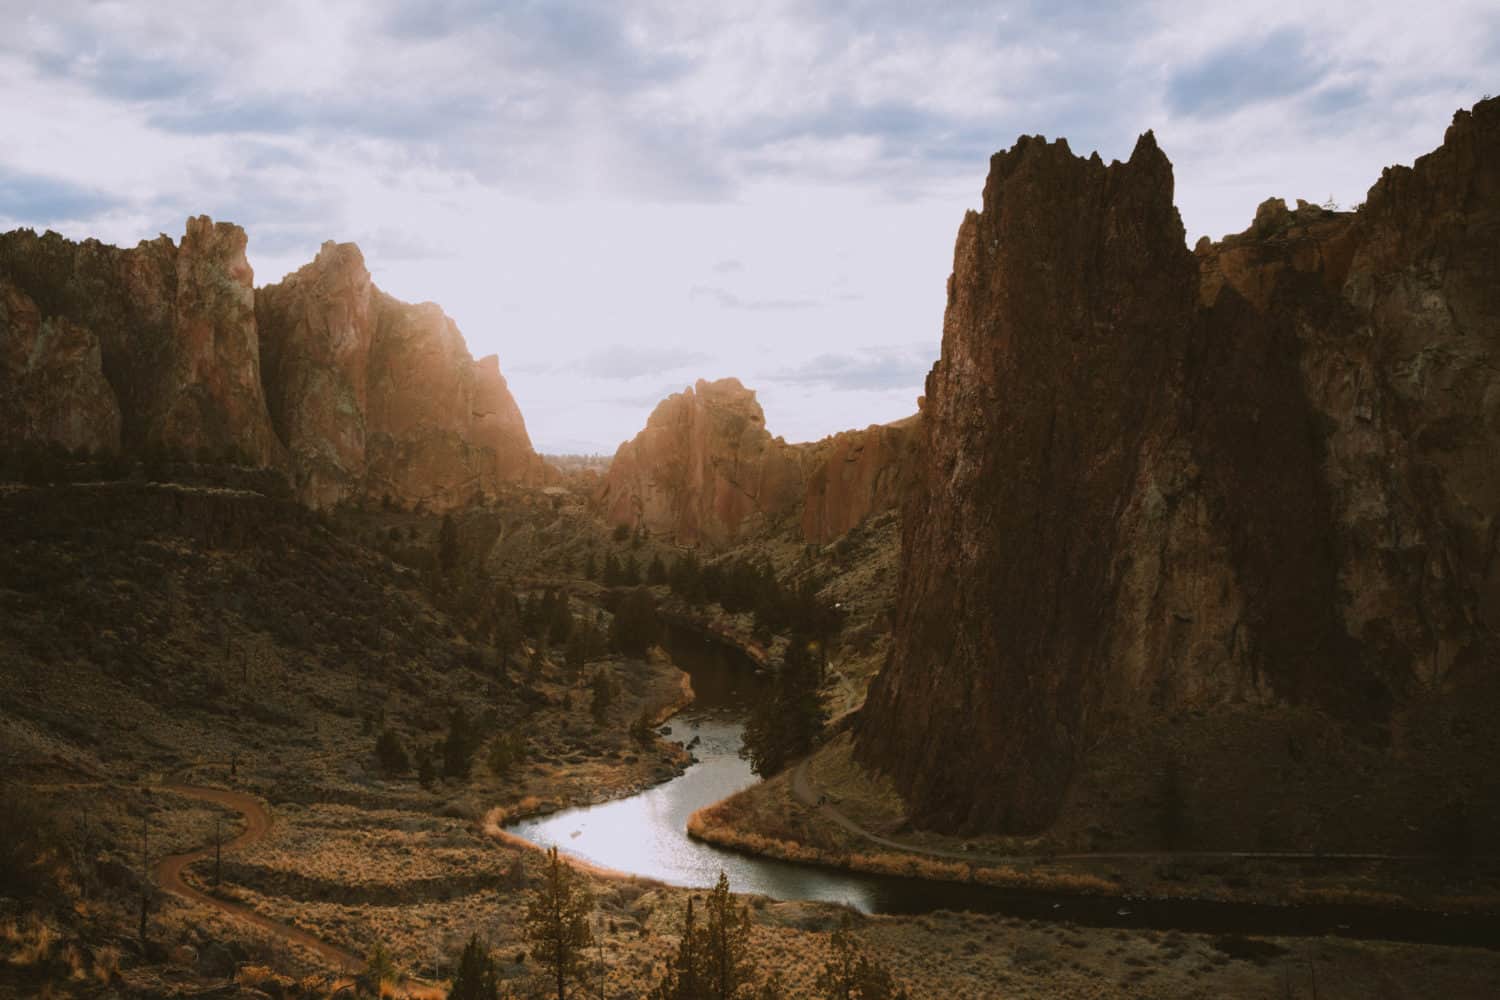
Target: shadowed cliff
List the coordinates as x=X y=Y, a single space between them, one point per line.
x=1160 y=488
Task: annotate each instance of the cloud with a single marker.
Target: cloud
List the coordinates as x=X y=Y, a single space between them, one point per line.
x=622 y=361
x=1276 y=64
x=729 y=266
x=39 y=200
x=868 y=369
x=729 y=300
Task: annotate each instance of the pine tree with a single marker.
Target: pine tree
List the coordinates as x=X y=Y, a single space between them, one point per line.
x=448 y=545
x=603 y=696
x=426 y=773
x=726 y=943
x=788 y=719
x=557 y=922
x=850 y=974
x=635 y=628
x=380 y=968
x=684 y=972
x=612 y=574
x=475 y=979
x=458 y=748
x=391 y=753
x=656 y=573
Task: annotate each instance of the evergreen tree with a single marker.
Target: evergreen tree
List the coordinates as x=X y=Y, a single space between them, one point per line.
x=635 y=628
x=507 y=751
x=448 y=545
x=787 y=720
x=559 y=618
x=590 y=566
x=380 y=968
x=391 y=753
x=475 y=979
x=612 y=574
x=556 y=924
x=656 y=573
x=630 y=576
x=684 y=972
x=604 y=696
x=726 y=944
x=426 y=773
x=850 y=974
x=507 y=631
x=458 y=748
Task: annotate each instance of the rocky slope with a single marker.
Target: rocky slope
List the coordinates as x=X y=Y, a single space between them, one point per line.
x=706 y=470
x=168 y=349
x=375 y=396
x=1161 y=489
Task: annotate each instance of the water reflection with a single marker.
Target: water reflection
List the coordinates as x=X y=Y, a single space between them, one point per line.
x=646 y=834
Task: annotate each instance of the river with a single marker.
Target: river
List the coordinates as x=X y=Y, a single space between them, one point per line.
x=646 y=834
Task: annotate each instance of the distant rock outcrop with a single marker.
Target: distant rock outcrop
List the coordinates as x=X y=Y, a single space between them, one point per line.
x=169 y=350
x=702 y=467
x=1157 y=487
x=706 y=470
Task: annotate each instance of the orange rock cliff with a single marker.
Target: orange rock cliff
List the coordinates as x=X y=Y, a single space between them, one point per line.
x=168 y=348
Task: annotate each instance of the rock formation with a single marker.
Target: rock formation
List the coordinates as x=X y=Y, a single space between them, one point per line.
x=1159 y=486
x=54 y=374
x=706 y=470
x=174 y=328
x=854 y=474
x=375 y=396
x=168 y=349
x=702 y=466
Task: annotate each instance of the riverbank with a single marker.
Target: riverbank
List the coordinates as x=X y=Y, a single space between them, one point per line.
x=826 y=811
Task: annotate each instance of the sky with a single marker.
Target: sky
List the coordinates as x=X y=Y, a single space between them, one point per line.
x=619 y=198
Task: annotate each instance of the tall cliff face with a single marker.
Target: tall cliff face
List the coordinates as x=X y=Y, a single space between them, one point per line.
x=706 y=470
x=1158 y=485
x=379 y=397
x=175 y=333
x=169 y=348
x=853 y=474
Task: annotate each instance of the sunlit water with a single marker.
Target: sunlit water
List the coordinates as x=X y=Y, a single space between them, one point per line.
x=646 y=834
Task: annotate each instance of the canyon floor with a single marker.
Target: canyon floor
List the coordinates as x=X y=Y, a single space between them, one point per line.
x=193 y=663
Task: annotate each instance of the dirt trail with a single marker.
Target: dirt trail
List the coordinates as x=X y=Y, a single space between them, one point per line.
x=258 y=823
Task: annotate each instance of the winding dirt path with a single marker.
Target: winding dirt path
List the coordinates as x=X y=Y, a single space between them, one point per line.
x=258 y=822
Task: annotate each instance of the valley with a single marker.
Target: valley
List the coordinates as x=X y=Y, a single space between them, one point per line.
x=1154 y=656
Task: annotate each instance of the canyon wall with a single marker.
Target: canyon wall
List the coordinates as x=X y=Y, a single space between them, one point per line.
x=168 y=349
x=1159 y=489
x=705 y=470
x=162 y=335
x=377 y=397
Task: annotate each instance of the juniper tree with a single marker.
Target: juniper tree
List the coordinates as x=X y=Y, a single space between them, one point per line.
x=850 y=974
x=475 y=979
x=556 y=924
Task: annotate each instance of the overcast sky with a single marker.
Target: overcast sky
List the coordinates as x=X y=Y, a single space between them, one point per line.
x=619 y=198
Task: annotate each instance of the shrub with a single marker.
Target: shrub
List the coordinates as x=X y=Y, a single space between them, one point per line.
x=391 y=753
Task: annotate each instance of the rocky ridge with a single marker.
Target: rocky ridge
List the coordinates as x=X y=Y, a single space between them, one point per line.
x=168 y=349
x=1160 y=489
